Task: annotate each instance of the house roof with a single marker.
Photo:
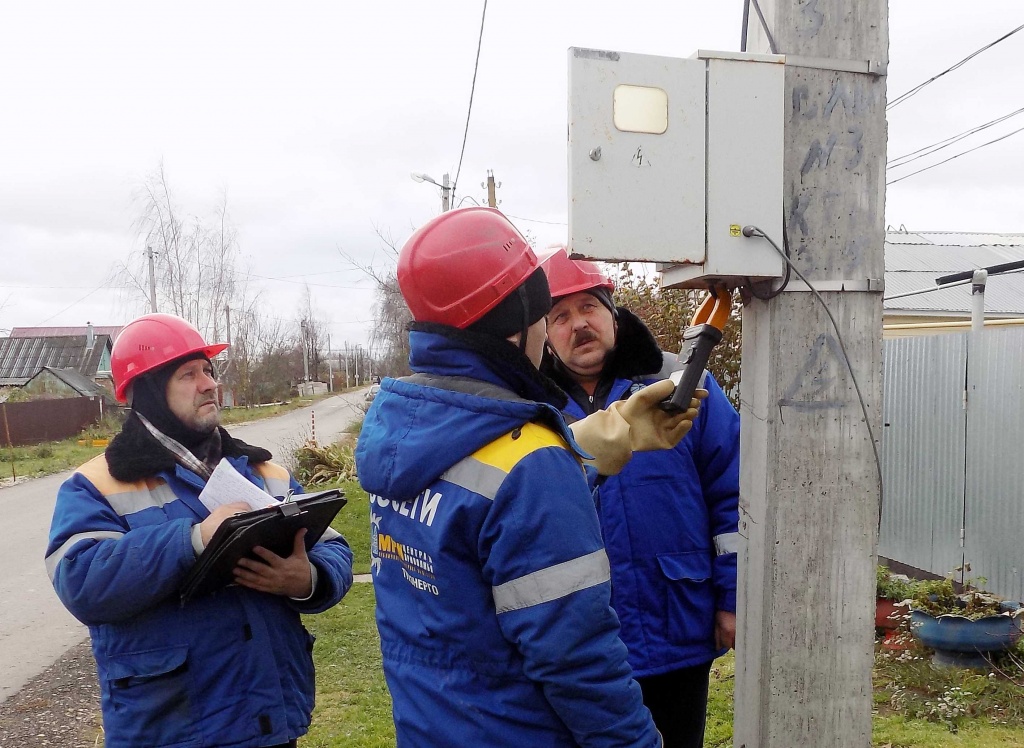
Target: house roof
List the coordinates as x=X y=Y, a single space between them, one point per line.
x=22 y=358
x=61 y=332
x=78 y=382
x=913 y=260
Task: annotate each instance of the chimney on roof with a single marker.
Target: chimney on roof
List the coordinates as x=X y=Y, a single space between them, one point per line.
x=90 y=336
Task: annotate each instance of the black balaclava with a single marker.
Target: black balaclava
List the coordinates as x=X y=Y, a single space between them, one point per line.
x=149 y=397
x=517 y=311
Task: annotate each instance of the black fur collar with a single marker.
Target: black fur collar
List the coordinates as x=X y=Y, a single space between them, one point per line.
x=135 y=453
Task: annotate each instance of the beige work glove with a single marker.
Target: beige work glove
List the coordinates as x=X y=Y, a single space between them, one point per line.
x=650 y=427
x=605 y=435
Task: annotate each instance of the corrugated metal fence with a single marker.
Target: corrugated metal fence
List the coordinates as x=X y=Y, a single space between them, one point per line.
x=47 y=420
x=954 y=475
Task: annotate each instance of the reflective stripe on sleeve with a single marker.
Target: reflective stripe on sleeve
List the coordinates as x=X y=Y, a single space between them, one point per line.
x=727 y=542
x=476 y=476
x=55 y=558
x=129 y=502
x=329 y=534
x=277 y=487
x=552 y=583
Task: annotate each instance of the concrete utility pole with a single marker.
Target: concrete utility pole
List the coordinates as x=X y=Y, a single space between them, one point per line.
x=305 y=352
x=347 y=385
x=809 y=483
x=446 y=192
x=492 y=198
x=152 y=279
x=330 y=367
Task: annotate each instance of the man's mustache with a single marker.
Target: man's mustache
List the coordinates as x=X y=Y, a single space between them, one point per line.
x=583 y=337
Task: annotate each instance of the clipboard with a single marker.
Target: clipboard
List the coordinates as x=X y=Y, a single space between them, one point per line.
x=272 y=527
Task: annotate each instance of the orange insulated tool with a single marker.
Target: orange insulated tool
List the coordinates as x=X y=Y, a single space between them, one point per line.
x=703 y=334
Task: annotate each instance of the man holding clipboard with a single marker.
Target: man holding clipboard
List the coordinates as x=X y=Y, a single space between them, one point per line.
x=231 y=667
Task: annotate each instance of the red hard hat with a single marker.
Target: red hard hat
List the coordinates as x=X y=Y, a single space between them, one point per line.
x=149 y=342
x=460 y=265
x=567 y=276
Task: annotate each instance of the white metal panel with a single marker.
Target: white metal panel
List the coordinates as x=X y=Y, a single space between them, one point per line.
x=744 y=172
x=636 y=195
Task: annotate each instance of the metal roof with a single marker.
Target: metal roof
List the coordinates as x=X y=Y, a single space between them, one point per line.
x=22 y=358
x=77 y=381
x=62 y=332
x=913 y=260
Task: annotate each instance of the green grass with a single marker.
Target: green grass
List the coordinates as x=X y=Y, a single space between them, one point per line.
x=353 y=521
x=718 y=730
x=43 y=459
x=353 y=707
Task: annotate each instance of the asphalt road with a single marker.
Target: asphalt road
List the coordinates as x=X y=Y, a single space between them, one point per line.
x=35 y=629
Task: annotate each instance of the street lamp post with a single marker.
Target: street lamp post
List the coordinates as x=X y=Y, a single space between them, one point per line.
x=445 y=188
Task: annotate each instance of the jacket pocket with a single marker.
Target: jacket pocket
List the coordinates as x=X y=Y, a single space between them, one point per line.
x=688 y=596
x=149 y=698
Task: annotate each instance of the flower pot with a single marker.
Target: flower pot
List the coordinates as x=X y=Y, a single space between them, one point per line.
x=961 y=642
x=886 y=617
x=889 y=616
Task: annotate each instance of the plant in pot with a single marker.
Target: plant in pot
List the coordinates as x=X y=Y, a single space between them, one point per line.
x=891 y=591
x=963 y=628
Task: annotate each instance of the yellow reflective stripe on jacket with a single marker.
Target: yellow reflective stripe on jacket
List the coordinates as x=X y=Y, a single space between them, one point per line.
x=484 y=471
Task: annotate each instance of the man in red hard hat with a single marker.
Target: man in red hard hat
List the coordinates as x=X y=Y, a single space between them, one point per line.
x=669 y=519
x=490 y=574
x=233 y=668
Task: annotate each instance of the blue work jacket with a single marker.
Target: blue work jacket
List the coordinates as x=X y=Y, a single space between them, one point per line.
x=492 y=582
x=669 y=521
x=233 y=668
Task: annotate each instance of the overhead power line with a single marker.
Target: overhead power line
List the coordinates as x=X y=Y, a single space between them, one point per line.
x=935 y=147
x=1003 y=137
x=472 y=90
x=536 y=220
x=916 y=89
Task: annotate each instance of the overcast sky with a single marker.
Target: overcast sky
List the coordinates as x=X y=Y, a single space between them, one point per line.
x=312 y=115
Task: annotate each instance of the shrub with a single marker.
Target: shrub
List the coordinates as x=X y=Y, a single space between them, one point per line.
x=316 y=464
x=895 y=587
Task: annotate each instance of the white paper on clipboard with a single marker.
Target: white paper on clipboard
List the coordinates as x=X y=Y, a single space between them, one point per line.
x=227 y=486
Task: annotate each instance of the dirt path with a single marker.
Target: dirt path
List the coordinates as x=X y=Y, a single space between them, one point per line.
x=59 y=707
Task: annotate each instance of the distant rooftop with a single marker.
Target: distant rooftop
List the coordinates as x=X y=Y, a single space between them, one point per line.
x=914 y=259
x=63 y=332
x=22 y=358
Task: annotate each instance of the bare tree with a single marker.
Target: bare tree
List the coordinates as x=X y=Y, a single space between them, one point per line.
x=195 y=260
x=313 y=335
x=389 y=339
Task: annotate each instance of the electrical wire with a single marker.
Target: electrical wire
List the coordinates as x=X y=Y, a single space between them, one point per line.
x=755 y=231
x=536 y=220
x=785 y=280
x=73 y=304
x=472 y=90
x=964 y=153
x=938 y=146
x=912 y=92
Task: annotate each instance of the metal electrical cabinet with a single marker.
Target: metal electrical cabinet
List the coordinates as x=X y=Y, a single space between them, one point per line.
x=669 y=158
